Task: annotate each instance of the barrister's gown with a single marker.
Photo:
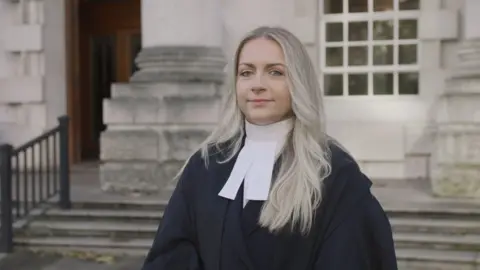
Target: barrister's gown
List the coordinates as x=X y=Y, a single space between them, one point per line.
x=204 y=231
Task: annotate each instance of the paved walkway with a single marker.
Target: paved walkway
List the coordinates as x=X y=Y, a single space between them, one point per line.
x=25 y=260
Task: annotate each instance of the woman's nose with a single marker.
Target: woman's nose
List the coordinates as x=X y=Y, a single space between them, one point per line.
x=258 y=84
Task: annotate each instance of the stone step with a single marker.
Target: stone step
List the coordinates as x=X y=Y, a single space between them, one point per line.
x=102 y=245
x=452 y=211
x=150 y=205
x=90 y=250
x=112 y=230
x=437 y=226
x=128 y=216
x=437 y=242
x=428 y=259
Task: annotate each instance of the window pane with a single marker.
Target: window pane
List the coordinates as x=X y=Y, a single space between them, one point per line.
x=358 y=31
x=408 y=83
x=407 y=29
x=357 y=84
x=334 y=32
x=358 y=56
x=409 y=4
x=357 y=6
x=333 y=84
x=383 y=55
x=383 y=84
x=383 y=30
x=407 y=54
x=333 y=6
x=382 y=5
x=334 y=56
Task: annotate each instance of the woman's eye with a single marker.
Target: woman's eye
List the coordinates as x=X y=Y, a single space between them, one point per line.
x=245 y=73
x=276 y=73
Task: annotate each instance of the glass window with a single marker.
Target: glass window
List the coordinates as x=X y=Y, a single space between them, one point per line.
x=372 y=48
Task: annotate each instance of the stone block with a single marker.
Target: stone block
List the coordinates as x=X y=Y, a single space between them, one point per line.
x=193 y=109
x=139 y=177
x=12 y=114
x=129 y=145
x=459 y=109
x=127 y=177
x=171 y=110
x=21 y=89
x=123 y=110
x=24 y=38
x=457 y=144
x=179 y=144
x=456 y=161
x=457 y=180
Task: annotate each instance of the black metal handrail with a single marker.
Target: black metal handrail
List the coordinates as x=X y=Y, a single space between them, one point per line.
x=32 y=174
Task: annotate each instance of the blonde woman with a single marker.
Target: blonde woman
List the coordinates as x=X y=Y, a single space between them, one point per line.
x=269 y=189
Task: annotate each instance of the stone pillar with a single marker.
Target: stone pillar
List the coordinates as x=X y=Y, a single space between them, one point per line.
x=456 y=155
x=171 y=103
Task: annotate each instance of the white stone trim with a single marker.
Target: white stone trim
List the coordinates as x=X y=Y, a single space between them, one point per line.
x=438 y=25
x=471 y=19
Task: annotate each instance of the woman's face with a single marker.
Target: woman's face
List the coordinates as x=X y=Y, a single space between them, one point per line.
x=262 y=86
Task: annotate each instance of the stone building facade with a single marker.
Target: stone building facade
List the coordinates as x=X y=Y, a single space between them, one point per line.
x=141 y=80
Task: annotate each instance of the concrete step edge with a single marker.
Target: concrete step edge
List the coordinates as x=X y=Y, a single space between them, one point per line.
x=99 y=242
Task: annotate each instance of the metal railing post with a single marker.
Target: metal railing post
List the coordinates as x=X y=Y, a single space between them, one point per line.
x=6 y=227
x=64 y=202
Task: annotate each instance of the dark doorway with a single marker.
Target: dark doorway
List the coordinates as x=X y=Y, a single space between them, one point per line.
x=109 y=38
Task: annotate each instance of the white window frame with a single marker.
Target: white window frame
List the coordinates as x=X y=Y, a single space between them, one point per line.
x=396 y=15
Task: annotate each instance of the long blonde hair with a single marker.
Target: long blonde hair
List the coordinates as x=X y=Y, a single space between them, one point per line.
x=305 y=160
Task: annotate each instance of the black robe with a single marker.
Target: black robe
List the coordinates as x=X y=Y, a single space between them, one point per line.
x=203 y=231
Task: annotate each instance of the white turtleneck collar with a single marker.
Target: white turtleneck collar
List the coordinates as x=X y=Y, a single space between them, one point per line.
x=255 y=162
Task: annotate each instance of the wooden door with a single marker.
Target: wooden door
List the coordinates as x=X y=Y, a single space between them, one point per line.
x=110 y=38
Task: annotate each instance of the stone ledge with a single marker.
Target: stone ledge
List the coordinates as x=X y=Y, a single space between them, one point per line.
x=165 y=89
x=171 y=110
x=180 y=64
x=456 y=86
x=129 y=145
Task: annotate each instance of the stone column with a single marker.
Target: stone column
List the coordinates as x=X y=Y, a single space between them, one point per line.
x=171 y=103
x=456 y=155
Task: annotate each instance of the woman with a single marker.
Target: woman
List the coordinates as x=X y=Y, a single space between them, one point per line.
x=268 y=189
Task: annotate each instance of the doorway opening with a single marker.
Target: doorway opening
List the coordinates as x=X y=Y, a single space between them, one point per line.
x=103 y=39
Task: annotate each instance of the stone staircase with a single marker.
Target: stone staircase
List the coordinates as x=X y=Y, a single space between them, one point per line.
x=427 y=236
x=432 y=236
x=99 y=227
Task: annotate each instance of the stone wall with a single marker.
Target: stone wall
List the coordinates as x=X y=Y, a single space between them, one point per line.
x=32 y=73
